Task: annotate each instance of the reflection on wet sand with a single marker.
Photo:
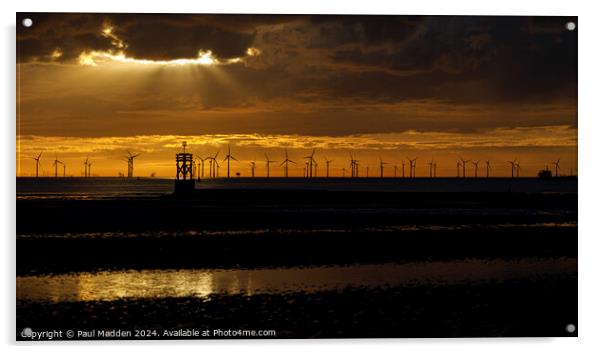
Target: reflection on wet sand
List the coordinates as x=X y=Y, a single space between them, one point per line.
x=201 y=283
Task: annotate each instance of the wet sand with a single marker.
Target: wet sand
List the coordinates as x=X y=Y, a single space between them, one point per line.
x=516 y=308
x=246 y=232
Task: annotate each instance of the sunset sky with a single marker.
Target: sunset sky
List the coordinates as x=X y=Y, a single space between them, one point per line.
x=434 y=87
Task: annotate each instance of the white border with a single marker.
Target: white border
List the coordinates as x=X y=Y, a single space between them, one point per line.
x=590 y=115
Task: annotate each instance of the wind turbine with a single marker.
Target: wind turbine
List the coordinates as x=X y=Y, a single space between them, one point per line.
x=130 y=159
x=513 y=163
x=253 y=168
x=412 y=166
x=89 y=169
x=394 y=170
x=403 y=168
x=463 y=162
x=267 y=163
x=311 y=161
x=353 y=165
x=382 y=167
x=435 y=170
x=201 y=169
x=56 y=166
x=431 y=168
x=557 y=167
x=518 y=169
x=37 y=159
x=229 y=157
x=458 y=169
x=488 y=167
x=86 y=167
x=327 y=166
x=285 y=163
x=476 y=167
x=213 y=165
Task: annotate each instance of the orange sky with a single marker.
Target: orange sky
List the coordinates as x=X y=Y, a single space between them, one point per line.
x=381 y=87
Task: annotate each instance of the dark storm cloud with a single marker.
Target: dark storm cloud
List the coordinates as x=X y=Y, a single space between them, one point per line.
x=148 y=36
x=72 y=33
x=514 y=57
x=337 y=72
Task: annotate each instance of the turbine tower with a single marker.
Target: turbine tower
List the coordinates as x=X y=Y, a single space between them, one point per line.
x=412 y=166
x=56 y=166
x=285 y=163
x=513 y=164
x=518 y=169
x=327 y=166
x=37 y=159
x=382 y=167
x=201 y=168
x=431 y=168
x=488 y=167
x=213 y=165
x=130 y=159
x=354 y=165
x=311 y=162
x=476 y=167
x=463 y=162
x=556 y=166
x=252 y=168
x=86 y=167
x=267 y=163
x=229 y=157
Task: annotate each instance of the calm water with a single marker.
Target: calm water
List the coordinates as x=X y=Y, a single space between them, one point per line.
x=102 y=188
x=202 y=283
x=91 y=188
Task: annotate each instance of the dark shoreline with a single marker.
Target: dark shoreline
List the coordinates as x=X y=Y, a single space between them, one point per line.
x=63 y=255
x=240 y=209
x=157 y=231
x=214 y=229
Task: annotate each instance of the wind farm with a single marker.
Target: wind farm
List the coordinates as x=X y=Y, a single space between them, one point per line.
x=393 y=168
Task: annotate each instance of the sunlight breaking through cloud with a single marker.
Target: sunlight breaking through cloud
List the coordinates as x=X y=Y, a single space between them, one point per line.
x=204 y=57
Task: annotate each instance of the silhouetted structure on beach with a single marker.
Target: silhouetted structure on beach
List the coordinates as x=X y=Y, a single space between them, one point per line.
x=184 y=171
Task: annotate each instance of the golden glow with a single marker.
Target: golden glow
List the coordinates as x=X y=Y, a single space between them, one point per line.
x=534 y=147
x=57 y=53
x=93 y=58
x=107 y=32
x=110 y=286
x=253 y=52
